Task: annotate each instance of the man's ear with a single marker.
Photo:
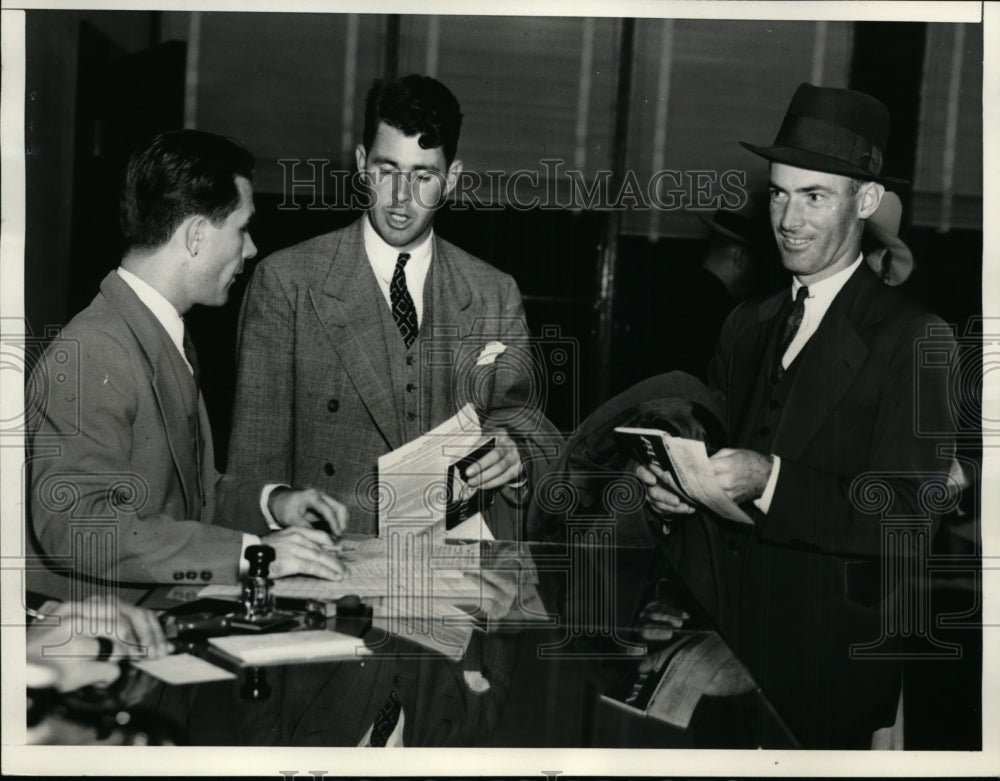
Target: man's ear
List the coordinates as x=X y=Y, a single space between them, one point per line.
x=451 y=178
x=193 y=233
x=869 y=197
x=360 y=156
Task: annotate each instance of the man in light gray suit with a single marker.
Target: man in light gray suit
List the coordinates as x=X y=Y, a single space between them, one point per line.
x=122 y=445
x=345 y=338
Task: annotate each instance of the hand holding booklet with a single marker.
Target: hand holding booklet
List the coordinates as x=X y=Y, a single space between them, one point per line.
x=687 y=460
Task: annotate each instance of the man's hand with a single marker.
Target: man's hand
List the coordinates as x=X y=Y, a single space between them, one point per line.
x=500 y=466
x=302 y=551
x=291 y=507
x=660 y=618
x=91 y=657
x=661 y=491
x=742 y=473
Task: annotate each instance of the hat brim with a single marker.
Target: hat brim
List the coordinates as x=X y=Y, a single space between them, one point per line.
x=902 y=259
x=802 y=158
x=715 y=227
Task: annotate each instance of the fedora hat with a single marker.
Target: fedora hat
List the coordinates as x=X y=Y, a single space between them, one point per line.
x=733 y=225
x=837 y=131
x=883 y=227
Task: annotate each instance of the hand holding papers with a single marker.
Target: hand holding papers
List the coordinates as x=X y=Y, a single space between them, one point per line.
x=424 y=484
x=686 y=460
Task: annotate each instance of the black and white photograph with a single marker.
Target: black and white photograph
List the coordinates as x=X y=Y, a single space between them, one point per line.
x=286 y=286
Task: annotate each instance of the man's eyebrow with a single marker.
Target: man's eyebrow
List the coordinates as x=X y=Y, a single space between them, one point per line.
x=383 y=160
x=811 y=188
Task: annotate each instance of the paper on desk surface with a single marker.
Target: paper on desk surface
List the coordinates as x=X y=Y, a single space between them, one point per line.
x=402 y=564
x=281 y=647
x=695 y=475
x=180 y=669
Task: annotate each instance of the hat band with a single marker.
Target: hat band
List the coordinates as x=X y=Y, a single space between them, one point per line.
x=830 y=140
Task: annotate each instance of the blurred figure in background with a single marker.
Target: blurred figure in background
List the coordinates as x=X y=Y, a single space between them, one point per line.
x=686 y=302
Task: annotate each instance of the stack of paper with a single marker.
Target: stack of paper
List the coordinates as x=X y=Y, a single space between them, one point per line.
x=284 y=647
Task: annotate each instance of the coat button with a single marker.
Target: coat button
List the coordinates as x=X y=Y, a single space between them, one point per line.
x=206 y=574
x=411 y=416
x=328 y=469
x=410 y=387
x=178 y=575
x=409 y=360
x=192 y=575
x=333 y=405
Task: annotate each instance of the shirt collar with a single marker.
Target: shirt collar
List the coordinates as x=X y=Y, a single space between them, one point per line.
x=383 y=255
x=826 y=289
x=162 y=310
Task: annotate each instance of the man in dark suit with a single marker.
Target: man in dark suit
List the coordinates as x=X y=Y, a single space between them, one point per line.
x=123 y=484
x=822 y=388
x=358 y=341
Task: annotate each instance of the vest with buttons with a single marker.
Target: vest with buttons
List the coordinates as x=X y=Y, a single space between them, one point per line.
x=404 y=368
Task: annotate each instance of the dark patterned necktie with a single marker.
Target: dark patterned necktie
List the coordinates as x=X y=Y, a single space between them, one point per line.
x=788 y=331
x=403 y=310
x=192 y=357
x=386 y=720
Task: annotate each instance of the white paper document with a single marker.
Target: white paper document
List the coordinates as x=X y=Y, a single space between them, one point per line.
x=180 y=669
x=283 y=647
x=404 y=565
x=418 y=482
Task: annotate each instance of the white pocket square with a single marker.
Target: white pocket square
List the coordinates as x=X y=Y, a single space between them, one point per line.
x=490 y=353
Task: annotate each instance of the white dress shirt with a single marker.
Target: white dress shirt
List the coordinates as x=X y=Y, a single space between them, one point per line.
x=383 y=256
x=821 y=295
x=167 y=316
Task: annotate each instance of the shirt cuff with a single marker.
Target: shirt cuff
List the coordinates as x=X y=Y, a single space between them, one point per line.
x=764 y=503
x=521 y=481
x=265 y=497
x=248 y=540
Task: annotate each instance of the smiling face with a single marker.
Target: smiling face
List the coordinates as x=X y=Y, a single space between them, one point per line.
x=222 y=251
x=817 y=219
x=407 y=184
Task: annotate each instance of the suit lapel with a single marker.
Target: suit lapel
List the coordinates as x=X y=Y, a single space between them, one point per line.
x=449 y=294
x=167 y=374
x=348 y=307
x=451 y=291
x=829 y=363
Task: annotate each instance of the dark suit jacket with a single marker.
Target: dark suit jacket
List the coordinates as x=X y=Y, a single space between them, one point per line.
x=113 y=459
x=856 y=405
x=314 y=401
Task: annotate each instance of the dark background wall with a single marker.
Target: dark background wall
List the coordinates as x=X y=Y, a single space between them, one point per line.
x=292 y=87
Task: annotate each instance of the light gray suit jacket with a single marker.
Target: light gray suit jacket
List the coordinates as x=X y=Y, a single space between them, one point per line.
x=314 y=399
x=115 y=485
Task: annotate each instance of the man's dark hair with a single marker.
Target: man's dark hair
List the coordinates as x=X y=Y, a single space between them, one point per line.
x=179 y=174
x=415 y=105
